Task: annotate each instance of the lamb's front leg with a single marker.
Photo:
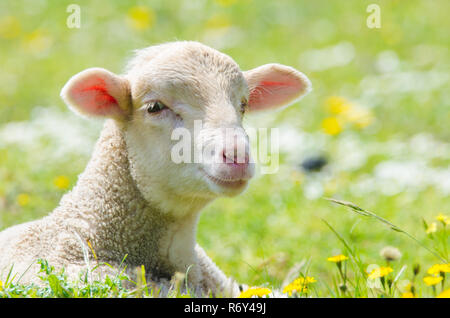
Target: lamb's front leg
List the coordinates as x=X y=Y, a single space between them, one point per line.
x=213 y=279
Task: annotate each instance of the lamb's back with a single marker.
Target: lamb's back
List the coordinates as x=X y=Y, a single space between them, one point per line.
x=21 y=245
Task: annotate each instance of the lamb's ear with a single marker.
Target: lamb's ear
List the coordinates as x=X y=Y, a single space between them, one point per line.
x=97 y=92
x=275 y=85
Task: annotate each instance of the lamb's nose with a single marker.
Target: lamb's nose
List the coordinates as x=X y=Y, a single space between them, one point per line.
x=235 y=157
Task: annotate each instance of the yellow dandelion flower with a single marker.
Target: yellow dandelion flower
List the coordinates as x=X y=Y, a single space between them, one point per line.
x=380 y=272
x=331 y=126
x=360 y=117
x=432 y=280
x=1 y=285
x=255 y=291
x=299 y=285
x=23 y=199
x=38 y=41
x=337 y=105
x=290 y=289
x=348 y=112
x=408 y=295
x=444 y=294
x=432 y=227
x=337 y=258
x=141 y=17
x=443 y=218
x=436 y=269
x=306 y=280
x=9 y=27
x=61 y=182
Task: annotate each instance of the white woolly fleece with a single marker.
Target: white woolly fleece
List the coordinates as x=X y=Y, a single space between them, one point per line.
x=106 y=209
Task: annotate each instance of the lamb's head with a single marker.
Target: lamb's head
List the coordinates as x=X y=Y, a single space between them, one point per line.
x=184 y=101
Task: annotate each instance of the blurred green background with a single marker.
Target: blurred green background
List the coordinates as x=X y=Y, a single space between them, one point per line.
x=379 y=114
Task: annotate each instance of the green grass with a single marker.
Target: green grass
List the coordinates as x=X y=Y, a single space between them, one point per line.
x=259 y=236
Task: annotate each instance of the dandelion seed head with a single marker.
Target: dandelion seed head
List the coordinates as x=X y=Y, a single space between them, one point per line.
x=390 y=253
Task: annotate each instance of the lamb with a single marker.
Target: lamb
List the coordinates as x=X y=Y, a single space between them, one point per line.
x=132 y=199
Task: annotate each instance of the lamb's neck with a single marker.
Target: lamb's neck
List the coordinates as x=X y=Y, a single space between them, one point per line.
x=107 y=209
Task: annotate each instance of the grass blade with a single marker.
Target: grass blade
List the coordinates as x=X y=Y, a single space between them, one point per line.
x=348 y=247
x=363 y=212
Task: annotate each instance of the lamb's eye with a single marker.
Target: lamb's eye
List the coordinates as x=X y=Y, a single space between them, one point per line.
x=155 y=107
x=243 y=105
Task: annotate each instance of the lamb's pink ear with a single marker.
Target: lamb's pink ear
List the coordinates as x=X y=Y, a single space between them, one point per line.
x=97 y=92
x=274 y=86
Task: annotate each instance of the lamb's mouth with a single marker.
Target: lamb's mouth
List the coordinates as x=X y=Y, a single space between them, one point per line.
x=234 y=184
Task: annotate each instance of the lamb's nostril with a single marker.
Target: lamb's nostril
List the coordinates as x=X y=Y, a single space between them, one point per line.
x=226 y=159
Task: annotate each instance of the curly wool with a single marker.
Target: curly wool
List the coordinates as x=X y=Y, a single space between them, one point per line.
x=106 y=209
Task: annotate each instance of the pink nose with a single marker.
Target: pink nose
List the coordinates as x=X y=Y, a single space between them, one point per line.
x=236 y=165
x=233 y=157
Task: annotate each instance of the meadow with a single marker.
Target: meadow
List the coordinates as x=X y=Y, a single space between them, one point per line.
x=378 y=118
